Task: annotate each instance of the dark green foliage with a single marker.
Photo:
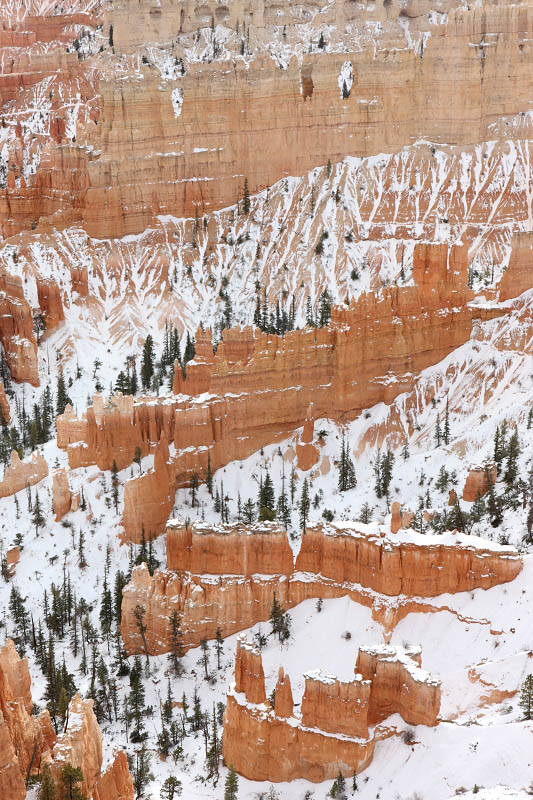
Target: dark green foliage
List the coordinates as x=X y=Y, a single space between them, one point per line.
x=347 y=479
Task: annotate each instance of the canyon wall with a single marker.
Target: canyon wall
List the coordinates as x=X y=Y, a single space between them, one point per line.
x=116 y=782
x=339 y=371
x=332 y=734
x=362 y=562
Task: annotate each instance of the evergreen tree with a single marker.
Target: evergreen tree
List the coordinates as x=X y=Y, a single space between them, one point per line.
x=47 y=789
x=446 y=429
x=405 y=451
x=209 y=476
x=513 y=451
x=246 y=197
x=494 y=506
x=280 y=621
x=266 y=500
x=324 y=308
x=305 y=505
x=171 y=788
x=347 y=479
x=114 y=484
x=176 y=644
x=219 y=646
x=194 y=489
x=204 y=658
x=231 y=785
x=140 y=771
x=62 y=397
x=437 y=431
x=366 y=514
x=249 y=511
x=526 y=697
x=69 y=777
x=147 y=364
x=136 y=698
x=37 y=516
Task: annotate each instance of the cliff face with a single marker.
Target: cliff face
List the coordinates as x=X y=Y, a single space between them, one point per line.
x=350 y=559
x=16 y=330
x=332 y=733
x=340 y=370
x=478 y=481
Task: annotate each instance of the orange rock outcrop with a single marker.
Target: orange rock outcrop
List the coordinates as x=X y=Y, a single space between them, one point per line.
x=80 y=745
x=61 y=494
x=479 y=480
x=332 y=732
x=16 y=330
x=363 y=562
x=116 y=782
x=21 y=474
x=517 y=278
x=23 y=738
x=340 y=370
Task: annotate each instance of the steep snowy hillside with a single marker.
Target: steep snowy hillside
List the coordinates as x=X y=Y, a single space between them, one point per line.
x=266 y=400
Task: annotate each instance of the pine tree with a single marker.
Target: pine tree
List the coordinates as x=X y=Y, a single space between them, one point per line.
x=147 y=364
x=246 y=197
x=47 y=789
x=446 y=429
x=513 y=451
x=176 y=644
x=232 y=784
x=37 y=517
x=219 y=646
x=171 y=788
x=526 y=697
x=305 y=505
x=69 y=777
x=405 y=451
x=347 y=479
x=194 y=489
x=366 y=514
x=62 y=397
x=140 y=770
x=209 y=476
x=266 y=500
x=437 y=431
x=114 y=484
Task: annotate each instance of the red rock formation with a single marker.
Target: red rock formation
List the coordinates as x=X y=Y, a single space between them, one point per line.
x=479 y=480
x=4 y=404
x=16 y=330
x=335 y=560
x=80 y=745
x=50 y=303
x=12 y=559
x=400 y=518
x=283 y=700
x=340 y=369
x=332 y=733
x=228 y=549
x=61 y=495
x=398 y=685
x=116 y=782
x=249 y=675
x=518 y=277
x=23 y=737
x=21 y=474
x=338 y=707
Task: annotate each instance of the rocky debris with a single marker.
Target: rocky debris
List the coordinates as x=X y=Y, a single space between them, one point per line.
x=21 y=474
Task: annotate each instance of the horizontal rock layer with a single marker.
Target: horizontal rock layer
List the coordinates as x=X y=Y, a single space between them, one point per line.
x=368 y=566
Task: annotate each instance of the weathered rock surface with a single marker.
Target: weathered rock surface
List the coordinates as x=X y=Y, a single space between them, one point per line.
x=16 y=331
x=81 y=744
x=341 y=370
x=351 y=559
x=116 y=782
x=479 y=480
x=21 y=474
x=61 y=494
x=332 y=733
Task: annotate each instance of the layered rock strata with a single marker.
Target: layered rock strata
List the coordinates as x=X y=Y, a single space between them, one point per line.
x=340 y=370
x=334 y=731
x=116 y=782
x=211 y=584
